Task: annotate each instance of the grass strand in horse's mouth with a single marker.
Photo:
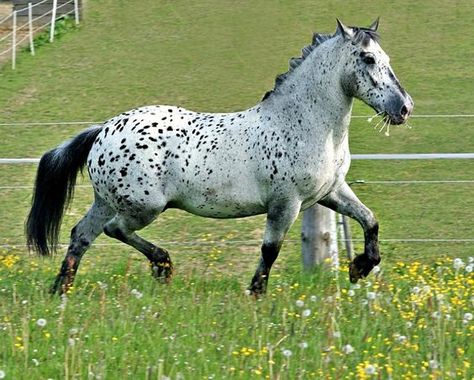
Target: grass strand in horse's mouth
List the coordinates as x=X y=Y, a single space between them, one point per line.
x=384 y=123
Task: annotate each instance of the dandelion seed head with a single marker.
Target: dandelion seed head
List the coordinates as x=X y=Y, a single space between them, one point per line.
x=347 y=349
x=415 y=290
x=370 y=369
x=458 y=263
x=303 y=345
x=469 y=268
x=376 y=269
x=41 y=322
x=371 y=295
x=468 y=316
x=306 y=313
x=401 y=339
x=299 y=303
x=286 y=353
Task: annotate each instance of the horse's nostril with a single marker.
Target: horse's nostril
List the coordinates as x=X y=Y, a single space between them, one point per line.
x=404 y=111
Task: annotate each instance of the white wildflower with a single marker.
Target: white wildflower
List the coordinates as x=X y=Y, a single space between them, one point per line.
x=351 y=293
x=41 y=322
x=313 y=298
x=468 y=316
x=299 y=303
x=469 y=268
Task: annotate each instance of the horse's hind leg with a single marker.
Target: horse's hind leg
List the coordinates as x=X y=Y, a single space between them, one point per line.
x=123 y=228
x=82 y=236
x=279 y=220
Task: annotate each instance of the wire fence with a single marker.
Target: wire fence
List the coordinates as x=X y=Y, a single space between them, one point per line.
x=25 y=28
x=398 y=156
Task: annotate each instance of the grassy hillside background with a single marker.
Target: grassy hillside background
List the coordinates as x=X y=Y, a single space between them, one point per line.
x=222 y=56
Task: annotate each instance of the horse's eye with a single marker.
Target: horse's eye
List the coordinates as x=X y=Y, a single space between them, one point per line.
x=368 y=59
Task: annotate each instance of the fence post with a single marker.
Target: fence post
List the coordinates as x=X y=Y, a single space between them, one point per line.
x=30 y=28
x=76 y=11
x=14 y=41
x=319 y=237
x=53 y=20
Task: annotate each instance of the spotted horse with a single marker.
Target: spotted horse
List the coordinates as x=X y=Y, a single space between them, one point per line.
x=285 y=154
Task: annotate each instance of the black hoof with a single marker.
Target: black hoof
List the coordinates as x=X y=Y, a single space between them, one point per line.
x=361 y=267
x=162 y=271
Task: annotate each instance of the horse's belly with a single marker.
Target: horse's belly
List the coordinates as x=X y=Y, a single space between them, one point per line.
x=219 y=202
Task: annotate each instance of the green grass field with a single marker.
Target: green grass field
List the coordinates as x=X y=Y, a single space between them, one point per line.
x=222 y=56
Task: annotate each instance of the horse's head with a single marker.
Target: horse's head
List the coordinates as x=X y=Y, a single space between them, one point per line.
x=368 y=75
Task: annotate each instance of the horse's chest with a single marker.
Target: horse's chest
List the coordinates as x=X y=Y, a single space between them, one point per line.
x=323 y=177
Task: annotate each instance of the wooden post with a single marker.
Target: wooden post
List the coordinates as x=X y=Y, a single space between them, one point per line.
x=30 y=28
x=14 y=41
x=319 y=237
x=76 y=11
x=53 y=20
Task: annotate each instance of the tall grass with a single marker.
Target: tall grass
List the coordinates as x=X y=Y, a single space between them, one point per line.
x=412 y=321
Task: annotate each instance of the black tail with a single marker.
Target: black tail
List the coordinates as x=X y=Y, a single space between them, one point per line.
x=54 y=188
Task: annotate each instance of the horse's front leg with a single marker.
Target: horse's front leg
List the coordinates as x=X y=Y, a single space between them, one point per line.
x=280 y=217
x=344 y=201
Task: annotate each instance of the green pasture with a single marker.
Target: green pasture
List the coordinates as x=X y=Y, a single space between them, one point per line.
x=223 y=56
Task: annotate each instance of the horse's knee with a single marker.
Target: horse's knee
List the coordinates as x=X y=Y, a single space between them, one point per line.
x=113 y=230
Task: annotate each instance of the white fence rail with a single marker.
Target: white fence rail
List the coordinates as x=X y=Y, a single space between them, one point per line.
x=328 y=233
x=28 y=27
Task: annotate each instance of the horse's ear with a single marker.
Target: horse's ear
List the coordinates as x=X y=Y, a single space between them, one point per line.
x=375 y=25
x=343 y=30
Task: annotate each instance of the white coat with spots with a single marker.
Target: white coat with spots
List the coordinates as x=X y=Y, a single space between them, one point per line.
x=281 y=156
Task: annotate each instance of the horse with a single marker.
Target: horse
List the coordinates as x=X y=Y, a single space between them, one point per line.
x=281 y=156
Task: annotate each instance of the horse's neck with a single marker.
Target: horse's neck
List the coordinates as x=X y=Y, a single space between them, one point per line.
x=313 y=94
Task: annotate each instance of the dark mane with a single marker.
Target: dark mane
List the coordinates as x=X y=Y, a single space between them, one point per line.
x=361 y=36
